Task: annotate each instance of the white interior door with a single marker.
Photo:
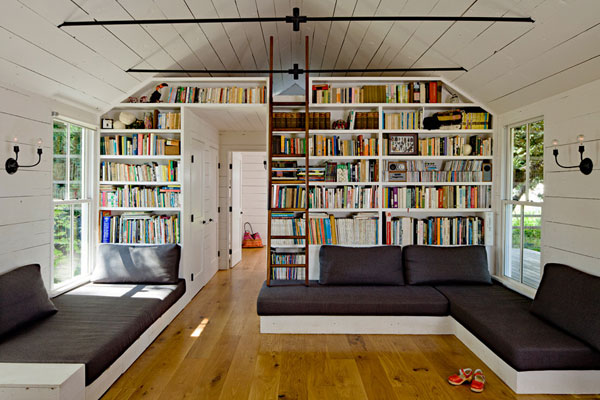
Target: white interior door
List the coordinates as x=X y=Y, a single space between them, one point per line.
x=211 y=198
x=236 y=208
x=194 y=249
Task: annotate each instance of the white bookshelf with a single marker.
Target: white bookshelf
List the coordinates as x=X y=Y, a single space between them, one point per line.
x=340 y=111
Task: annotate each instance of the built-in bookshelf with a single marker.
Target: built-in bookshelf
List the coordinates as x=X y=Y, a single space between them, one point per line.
x=430 y=159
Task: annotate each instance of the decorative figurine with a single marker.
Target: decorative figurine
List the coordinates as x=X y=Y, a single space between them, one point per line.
x=155 y=97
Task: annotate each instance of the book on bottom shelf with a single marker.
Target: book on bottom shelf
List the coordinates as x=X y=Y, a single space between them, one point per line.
x=441 y=231
x=288 y=274
x=139 y=227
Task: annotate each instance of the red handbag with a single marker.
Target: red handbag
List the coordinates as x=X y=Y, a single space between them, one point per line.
x=251 y=238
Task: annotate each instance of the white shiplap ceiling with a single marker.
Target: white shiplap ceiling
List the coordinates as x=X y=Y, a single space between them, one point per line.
x=509 y=64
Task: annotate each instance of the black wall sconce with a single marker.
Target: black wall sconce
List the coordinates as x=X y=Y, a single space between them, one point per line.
x=585 y=165
x=12 y=164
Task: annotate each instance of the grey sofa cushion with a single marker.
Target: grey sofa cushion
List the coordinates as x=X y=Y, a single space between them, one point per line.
x=137 y=264
x=570 y=300
x=500 y=318
x=23 y=298
x=380 y=265
x=95 y=325
x=428 y=265
x=319 y=299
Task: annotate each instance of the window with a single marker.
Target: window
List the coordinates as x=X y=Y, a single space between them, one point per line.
x=70 y=173
x=523 y=202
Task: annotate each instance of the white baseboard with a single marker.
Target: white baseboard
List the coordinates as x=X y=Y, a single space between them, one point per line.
x=36 y=381
x=367 y=324
x=525 y=382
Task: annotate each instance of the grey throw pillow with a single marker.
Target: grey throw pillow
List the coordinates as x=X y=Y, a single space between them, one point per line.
x=570 y=300
x=380 y=265
x=137 y=264
x=23 y=298
x=429 y=265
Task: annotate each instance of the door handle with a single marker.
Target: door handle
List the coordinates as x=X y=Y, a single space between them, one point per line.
x=210 y=220
x=204 y=221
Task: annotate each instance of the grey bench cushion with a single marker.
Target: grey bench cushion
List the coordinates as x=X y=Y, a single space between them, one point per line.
x=570 y=300
x=500 y=318
x=350 y=300
x=94 y=325
x=430 y=265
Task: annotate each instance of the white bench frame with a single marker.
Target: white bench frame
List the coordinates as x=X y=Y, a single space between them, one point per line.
x=524 y=382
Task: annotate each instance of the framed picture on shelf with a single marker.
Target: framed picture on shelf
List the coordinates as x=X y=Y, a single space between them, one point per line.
x=107 y=123
x=403 y=144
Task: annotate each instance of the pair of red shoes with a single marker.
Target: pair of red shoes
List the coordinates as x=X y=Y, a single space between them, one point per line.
x=476 y=378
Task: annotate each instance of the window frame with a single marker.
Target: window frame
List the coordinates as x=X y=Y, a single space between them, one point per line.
x=506 y=204
x=88 y=137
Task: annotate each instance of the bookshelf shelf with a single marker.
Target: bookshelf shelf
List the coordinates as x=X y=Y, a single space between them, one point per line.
x=433 y=158
x=140 y=183
x=353 y=210
x=436 y=184
x=436 y=210
x=140 y=158
x=317 y=183
x=392 y=105
x=157 y=209
x=441 y=131
x=132 y=131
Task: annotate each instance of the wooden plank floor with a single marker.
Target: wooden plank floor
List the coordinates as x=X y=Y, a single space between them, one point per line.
x=213 y=350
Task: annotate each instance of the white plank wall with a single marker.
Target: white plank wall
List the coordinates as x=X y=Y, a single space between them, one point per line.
x=254 y=191
x=571 y=214
x=233 y=141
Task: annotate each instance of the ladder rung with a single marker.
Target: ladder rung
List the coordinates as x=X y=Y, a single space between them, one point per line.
x=288 y=237
x=289 y=209
x=287 y=155
x=288 y=265
x=288 y=182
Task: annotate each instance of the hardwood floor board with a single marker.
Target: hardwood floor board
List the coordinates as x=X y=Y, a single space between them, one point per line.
x=230 y=359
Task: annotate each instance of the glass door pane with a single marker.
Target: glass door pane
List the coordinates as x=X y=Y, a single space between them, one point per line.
x=532 y=232
x=514 y=253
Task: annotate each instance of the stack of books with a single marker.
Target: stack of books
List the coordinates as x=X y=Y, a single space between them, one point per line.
x=407 y=92
x=343 y=197
x=288 y=196
x=138 y=227
x=230 y=95
x=437 y=197
x=455 y=146
x=296 y=120
x=440 y=231
x=154 y=172
x=321 y=145
x=402 y=120
x=315 y=174
x=136 y=145
x=358 y=171
x=126 y=196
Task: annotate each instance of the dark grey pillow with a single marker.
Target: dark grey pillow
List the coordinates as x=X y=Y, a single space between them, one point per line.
x=23 y=298
x=429 y=265
x=380 y=265
x=137 y=264
x=570 y=300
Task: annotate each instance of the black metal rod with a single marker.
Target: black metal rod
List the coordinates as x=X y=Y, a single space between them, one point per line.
x=290 y=20
x=289 y=71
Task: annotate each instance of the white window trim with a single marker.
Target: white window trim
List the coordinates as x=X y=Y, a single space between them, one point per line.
x=90 y=140
x=506 y=191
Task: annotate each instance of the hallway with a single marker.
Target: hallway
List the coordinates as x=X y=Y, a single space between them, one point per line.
x=213 y=350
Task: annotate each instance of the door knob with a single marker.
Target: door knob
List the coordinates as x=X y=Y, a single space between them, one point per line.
x=204 y=222
x=210 y=220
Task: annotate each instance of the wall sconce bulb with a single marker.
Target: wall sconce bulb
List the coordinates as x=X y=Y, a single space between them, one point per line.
x=555 y=143
x=580 y=138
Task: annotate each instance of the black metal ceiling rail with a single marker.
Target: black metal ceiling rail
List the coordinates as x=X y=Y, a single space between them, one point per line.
x=295 y=19
x=292 y=71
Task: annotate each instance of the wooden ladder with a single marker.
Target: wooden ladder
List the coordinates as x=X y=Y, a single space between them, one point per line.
x=304 y=182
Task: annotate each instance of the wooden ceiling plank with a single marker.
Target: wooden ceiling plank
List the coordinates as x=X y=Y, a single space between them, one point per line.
x=321 y=29
x=337 y=33
x=48 y=38
x=266 y=8
x=26 y=54
x=284 y=42
x=254 y=34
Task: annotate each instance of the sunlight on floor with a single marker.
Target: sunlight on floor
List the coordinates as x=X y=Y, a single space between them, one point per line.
x=198 y=331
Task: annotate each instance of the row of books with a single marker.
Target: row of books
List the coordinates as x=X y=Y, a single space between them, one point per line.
x=138 y=145
x=444 y=231
x=139 y=228
x=287 y=258
x=126 y=196
x=476 y=120
x=296 y=120
x=288 y=274
x=403 y=120
x=407 y=92
x=359 y=171
x=444 y=176
x=288 y=196
x=359 y=229
x=150 y=172
x=321 y=145
x=168 y=120
x=230 y=95
x=343 y=197
x=455 y=146
x=437 y=197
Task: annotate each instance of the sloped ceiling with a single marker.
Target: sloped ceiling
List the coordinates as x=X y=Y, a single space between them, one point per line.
x=509 y=64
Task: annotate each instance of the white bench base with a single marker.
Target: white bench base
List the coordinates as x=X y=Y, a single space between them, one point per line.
x=525 y=382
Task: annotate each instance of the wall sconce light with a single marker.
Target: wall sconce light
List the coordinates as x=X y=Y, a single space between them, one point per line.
x=12 y=164
x=585 y=165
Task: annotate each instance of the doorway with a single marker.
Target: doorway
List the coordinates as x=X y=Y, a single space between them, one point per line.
x=248 y=198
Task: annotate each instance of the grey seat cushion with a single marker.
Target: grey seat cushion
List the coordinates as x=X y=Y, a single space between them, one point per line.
x=137 y=264
x=318 y=299
x=428 y=265
x=570 y=300
x=23 y=298
x=500 y=318
x=94 y=325
x=379 y=265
